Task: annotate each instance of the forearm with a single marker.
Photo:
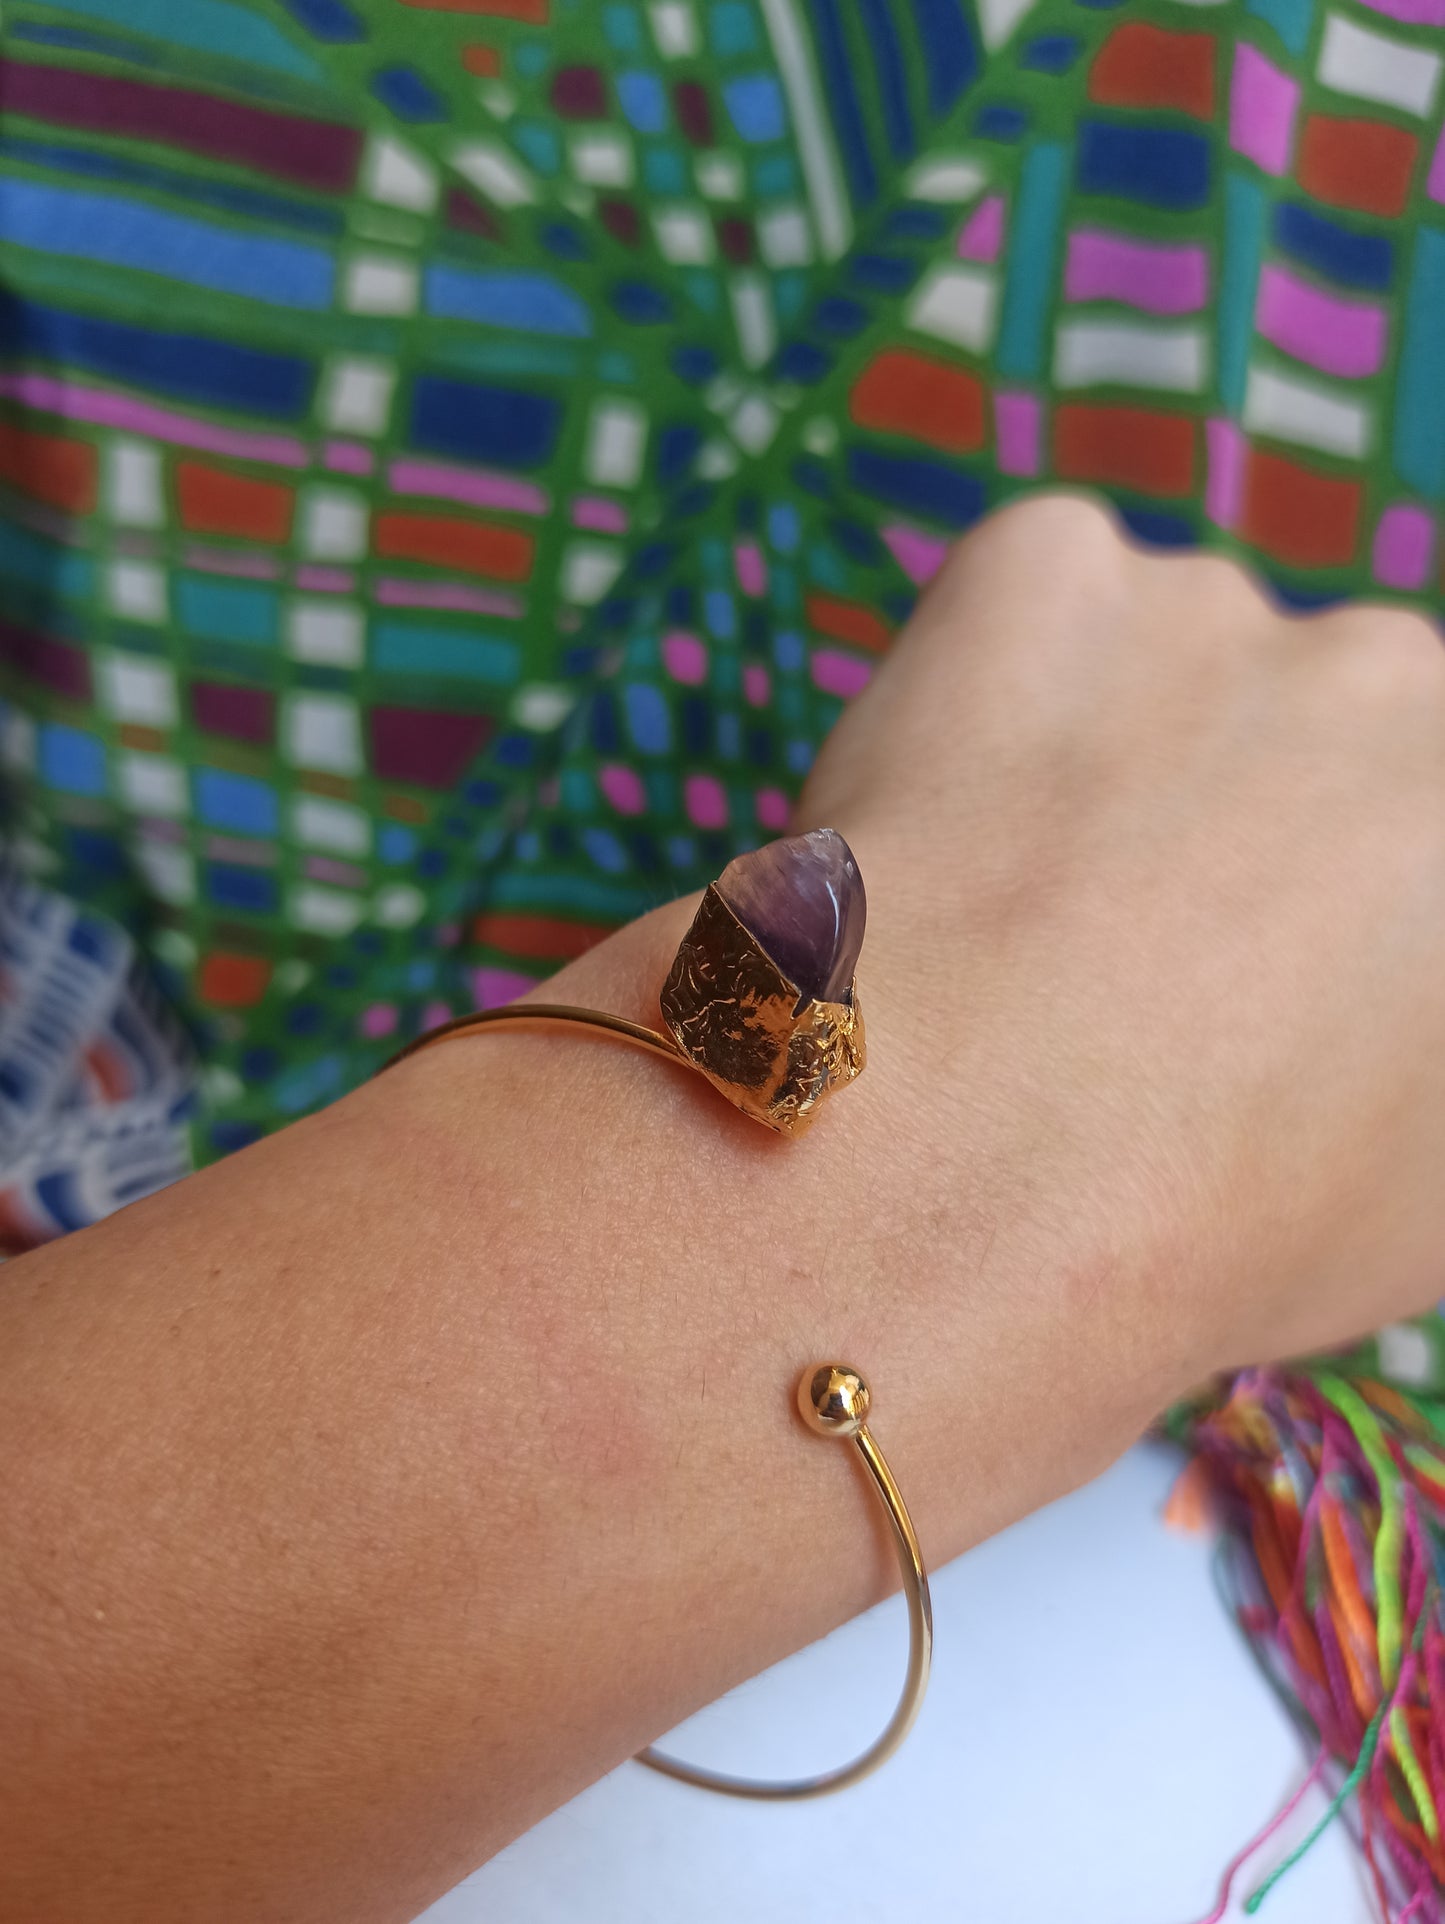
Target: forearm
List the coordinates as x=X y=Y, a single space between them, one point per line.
x=376 y=1490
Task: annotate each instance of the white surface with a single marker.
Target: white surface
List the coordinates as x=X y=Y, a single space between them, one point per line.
x=1096 y=1746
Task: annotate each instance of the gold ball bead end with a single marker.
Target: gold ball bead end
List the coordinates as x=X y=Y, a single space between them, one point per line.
x=834 y=1400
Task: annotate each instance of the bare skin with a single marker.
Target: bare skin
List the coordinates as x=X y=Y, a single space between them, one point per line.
x=374 y=1491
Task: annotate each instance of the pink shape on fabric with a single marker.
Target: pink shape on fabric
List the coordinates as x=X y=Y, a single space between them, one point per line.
x=706 y=801
x=379 y=1019
x=623 y=788
x=1435 y=184
x=493 y=987
x=1334 y=335
x=919 y=555
x=1017 y=421
x=1224 y=483
x=752 y=570
x=684 y=657
x=757 y=684
x=326 y=581
x=348 y=457
x=1262 y=106
x=773 y=808
x=229 y=561
x=49 y=396
x=591 y=511
x=838 y=674
x=435 y=1013
x=1404 y=541
x=982 y=236
x=396 y=591
x=1419 y=13
x=1156 y=278
x=472 y=487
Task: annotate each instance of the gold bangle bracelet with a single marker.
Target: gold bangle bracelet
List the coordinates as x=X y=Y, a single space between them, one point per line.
x=761 y=1001
x=833 y=1400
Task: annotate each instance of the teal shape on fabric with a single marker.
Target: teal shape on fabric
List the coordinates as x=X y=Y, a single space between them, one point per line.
x=539 y=143
x=125 y=233
x=531 y=57
x=309 y=1083
x=790 y=294
x=755 y=106
x=233 y=611
x=236 y=802
x=783 y=585
x=774 y=175
x=578 y=790
x=643 y=101
x=43 y=564
x=531 y=303
x=731 y=27
x=208 y=26
x=1246 y=214
x=703 y=289
x=664 y=170
x=826 y=567
x=1290 y=19
x=1419 y=444
x=661 y=787
x=1029 y=283
x=71 y=759
x=623 y=28
x=584 y=895
x=614 y=365
x=425 y=648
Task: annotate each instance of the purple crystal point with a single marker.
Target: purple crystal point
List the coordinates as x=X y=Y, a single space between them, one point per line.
x=802 y=900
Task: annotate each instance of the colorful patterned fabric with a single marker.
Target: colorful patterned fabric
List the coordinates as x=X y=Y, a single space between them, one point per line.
x=459 y=456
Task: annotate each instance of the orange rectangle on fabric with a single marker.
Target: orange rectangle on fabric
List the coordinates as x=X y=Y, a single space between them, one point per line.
x=538 y=938
x=214 y=501
x=848 y=621
x=476 y=547
x=1144 y=66
x=532 y=13
x=1309 y=520
x=48 y=467
x=485 y=61
x=1126 y=447
x=233 y=981
x=1365 y=164
x=901 y=392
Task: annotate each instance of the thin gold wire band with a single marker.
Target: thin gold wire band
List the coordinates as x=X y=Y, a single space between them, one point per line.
x=833 y=1400
x=544 y=1013
x=854 y=1396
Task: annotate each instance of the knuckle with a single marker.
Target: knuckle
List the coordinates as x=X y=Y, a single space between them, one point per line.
x=1388 y=651
x=1043 y=534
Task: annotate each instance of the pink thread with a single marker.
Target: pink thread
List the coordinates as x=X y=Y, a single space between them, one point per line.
x=1233 y=1869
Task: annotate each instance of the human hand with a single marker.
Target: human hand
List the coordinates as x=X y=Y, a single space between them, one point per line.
x=1157 y=880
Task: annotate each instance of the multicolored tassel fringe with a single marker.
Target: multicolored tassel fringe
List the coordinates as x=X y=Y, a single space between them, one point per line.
x=1333 y=1490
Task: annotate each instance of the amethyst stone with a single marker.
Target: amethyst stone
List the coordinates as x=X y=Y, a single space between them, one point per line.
x=802 y=901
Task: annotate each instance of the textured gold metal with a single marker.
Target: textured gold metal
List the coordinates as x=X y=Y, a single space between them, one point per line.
x=736 y=1017
x=834 y=1400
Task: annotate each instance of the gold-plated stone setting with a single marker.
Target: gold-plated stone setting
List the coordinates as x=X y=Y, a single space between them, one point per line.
x=774 y=1053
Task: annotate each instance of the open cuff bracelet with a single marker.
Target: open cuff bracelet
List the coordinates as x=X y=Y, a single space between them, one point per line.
x=761 y=1000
